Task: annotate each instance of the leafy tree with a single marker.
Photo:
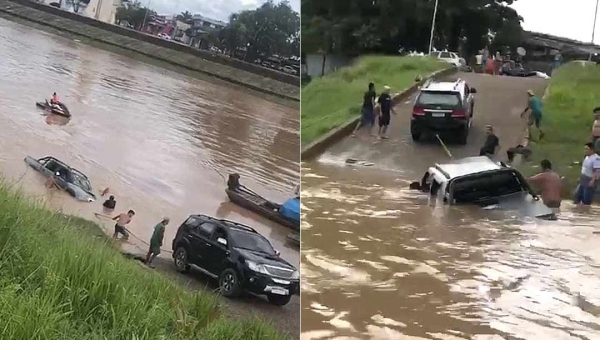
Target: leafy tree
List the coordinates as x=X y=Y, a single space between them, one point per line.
x=270 y=29
x=352 y=27
x=134 y=15
x=186 y=17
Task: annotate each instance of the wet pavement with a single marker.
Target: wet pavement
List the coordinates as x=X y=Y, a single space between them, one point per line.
x=382 y=262
x=162 y=142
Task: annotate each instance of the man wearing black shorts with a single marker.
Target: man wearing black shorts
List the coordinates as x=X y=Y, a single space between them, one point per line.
x=122 y=220
x=385 y=105
x=368 y=113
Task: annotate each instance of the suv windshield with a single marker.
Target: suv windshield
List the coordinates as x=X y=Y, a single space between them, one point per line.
x=486 y=186
x=438 y=98
x=446 y=55
x=251 y=241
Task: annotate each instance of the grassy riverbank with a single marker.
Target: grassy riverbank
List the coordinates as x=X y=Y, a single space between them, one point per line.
x=61 y=278
x=332 y=100
x=567 y=122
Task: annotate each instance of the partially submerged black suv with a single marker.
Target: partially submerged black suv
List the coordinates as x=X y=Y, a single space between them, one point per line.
x=237 y=255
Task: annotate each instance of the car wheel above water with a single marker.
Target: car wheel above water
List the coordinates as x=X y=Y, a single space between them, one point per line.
x=229 y=283
x=181 y=260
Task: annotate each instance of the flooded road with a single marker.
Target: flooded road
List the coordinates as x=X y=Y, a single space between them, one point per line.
x=162 y=142
x=382 y=262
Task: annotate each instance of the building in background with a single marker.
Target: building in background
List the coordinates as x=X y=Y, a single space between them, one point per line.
x=204 y=31
x=103 y=10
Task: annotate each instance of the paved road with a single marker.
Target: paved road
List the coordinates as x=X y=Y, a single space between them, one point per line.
x=392 y=154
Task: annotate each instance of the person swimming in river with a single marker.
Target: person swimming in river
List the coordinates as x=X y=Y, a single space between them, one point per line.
x=110 y=204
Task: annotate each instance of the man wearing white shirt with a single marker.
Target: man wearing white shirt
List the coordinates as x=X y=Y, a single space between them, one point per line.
x=590 y=173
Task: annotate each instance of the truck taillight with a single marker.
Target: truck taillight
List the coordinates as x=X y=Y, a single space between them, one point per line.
x=418 y=111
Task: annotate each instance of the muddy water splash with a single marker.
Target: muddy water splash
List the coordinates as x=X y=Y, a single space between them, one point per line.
x=162 y=142
x=381 y=262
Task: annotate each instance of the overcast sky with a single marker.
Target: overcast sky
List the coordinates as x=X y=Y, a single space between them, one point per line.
x=214 y=9
x=570 y=19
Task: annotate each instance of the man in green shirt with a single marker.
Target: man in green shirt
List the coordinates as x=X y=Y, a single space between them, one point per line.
x=156 y=241
x=534 y=105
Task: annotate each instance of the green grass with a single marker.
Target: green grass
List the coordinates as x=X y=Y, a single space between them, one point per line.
x=330 y=101
x=61 y=278
x=567 y=121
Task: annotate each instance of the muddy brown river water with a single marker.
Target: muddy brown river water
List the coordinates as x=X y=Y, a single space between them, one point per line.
x=161 y=141
x=382 y=262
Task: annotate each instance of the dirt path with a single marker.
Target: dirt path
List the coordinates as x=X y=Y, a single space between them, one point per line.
x=392 y=154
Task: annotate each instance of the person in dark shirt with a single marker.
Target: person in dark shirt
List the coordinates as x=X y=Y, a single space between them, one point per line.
x=385 y=105
x=491 y=143
x=368 y=113
x=110 y=203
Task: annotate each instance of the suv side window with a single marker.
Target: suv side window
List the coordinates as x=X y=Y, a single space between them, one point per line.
x=219 y=232
x=206 y=229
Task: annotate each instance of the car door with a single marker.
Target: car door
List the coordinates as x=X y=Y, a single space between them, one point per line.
x=217 y=253
x=199 y=235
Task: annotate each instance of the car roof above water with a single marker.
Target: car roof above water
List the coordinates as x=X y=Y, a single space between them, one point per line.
x=468 y=166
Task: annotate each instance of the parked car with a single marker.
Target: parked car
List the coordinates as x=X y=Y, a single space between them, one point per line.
x=484 y=182
x=289 y=69
x=69 y=179
x=164 y=36
x=237 y=256
x=443 y=106
x=449 y=57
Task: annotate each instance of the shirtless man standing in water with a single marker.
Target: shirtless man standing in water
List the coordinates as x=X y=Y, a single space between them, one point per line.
x=122 y=220
x=550 y=185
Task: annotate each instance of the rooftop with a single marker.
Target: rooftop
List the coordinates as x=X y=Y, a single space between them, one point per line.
x=443 y=86
x=469 y=165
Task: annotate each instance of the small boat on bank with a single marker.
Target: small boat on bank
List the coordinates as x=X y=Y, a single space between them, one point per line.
x=283 y=214
x=58 y=109
x=294 y=238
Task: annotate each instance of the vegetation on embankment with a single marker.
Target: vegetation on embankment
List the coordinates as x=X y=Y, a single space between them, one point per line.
x=61 y=278
x=330 y=101
x=573 y=93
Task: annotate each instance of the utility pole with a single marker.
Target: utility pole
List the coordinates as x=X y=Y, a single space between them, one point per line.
x=594 y=29
x=433 y=26
x=145 y=15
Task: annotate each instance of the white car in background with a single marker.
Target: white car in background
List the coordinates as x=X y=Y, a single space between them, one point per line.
x=449 y=57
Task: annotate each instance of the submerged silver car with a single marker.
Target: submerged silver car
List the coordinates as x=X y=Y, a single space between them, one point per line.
x=483 y=182
x=69 y=179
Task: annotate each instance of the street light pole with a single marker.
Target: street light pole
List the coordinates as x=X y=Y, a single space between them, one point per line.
x=433 y=26
x=146 y=15
x=594 y=29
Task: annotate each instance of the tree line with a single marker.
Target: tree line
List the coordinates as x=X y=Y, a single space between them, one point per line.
x=270 y=29
x=353 y=27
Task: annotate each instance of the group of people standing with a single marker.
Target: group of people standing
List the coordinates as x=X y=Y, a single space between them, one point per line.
x=123 y=219
x=491 y=64
x=370 y=102
x=548 y=181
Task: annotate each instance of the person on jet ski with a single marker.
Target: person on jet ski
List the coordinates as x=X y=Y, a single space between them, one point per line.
x=54 y=103
x=54 y=99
